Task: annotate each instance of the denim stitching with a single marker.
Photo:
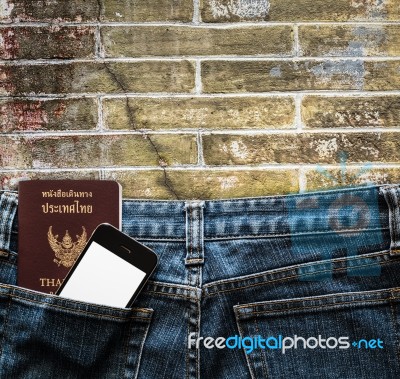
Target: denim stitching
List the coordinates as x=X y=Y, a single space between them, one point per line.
x=5 y=325
x=329 y=296
x=262 y=353
x=17 y=289
x=72 y=310
x=314 y=306
x=395 y=326
x=295 y=267
x=126 y=350
x=247 y=356
x=219 y=237
x=289 y=277
x=141 y=347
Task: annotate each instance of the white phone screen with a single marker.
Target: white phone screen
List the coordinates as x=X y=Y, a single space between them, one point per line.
x=104 y=278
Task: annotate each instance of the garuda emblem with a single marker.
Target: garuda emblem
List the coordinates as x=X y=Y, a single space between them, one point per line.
x=66 y=251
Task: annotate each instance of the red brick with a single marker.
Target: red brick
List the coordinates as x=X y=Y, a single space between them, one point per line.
x=61 y=114
x=48 y=42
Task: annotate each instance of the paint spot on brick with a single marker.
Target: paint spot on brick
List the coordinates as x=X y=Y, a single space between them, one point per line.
x=228 y=182
x=239 y=149
x=6 y=8
x=326 y=148
x=373 y=9
x=275 y=72
x=244 y=9
x=346 y=73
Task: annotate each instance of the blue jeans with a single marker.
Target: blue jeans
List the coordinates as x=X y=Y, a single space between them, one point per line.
x=299 y=286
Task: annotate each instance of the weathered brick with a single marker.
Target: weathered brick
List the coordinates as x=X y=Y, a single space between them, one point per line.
x=260 y=76
x=147 y=10
x=48 y=42
x=133 y=41
x=204 y=184
x=346 y=40
x=354 y=176
x=224 y=149
x=78 y=77
x=351 y=111
x=299 y=10
x=199 y=112
x=382 y=75
x=9 y=179
x=61 y=114
x=96 y=151
x=49 y=10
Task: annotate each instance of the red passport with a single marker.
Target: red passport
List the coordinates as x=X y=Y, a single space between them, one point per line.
x=55 y=219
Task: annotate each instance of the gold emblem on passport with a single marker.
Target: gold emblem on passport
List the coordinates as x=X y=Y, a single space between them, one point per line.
x=66 y=251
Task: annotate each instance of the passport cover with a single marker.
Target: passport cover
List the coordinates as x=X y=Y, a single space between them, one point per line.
x=55 y=220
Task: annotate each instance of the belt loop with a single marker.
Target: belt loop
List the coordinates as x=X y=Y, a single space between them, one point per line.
x=194 y=233
x=8 y=209
x=391 y=194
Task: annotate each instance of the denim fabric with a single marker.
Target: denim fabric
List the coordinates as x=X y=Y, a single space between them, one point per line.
x=316 y=265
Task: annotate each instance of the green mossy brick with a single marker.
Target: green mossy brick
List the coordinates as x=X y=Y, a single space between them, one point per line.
x=314 y=148
x=299 y=10
x=9 y=179
x=204 y=184
x=353 y=176
x=81 y=151
x=285 y=75
x=133 y=41
x=351 y=111
x=349 y=40
x=92 y=77
x=147 y=10
x=199 y=112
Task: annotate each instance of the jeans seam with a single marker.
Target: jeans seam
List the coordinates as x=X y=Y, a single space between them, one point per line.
x=247 y=356
x=314 y=306
x=290 y=277
x=125 y=368
x=293 y=268
x=141 y=348
x=5 y=326
x=262 y=353
x=395 y=326
x=344 y=294
x=238 y=236
x=82 y=311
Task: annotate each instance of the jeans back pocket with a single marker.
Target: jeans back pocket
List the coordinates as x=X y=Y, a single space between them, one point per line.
x=347 y=335
x=46 y=336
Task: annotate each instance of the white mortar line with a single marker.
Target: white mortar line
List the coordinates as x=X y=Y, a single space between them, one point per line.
x=198 y=84
x=188 y=167
x=223 y=25
x=298 y=121
x=302 y=180
x=100 y=126
x=158 y=95
x=296 y=40
x=228 y=58
x=205 y=132
x=196 y=12
x=200 y=156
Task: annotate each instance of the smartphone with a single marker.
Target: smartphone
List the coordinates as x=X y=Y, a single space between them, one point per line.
x=111 y=270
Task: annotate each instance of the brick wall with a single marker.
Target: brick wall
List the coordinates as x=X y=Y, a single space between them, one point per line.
x=201 y=98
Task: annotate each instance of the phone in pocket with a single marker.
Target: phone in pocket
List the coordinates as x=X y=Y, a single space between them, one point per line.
x=111 y=270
